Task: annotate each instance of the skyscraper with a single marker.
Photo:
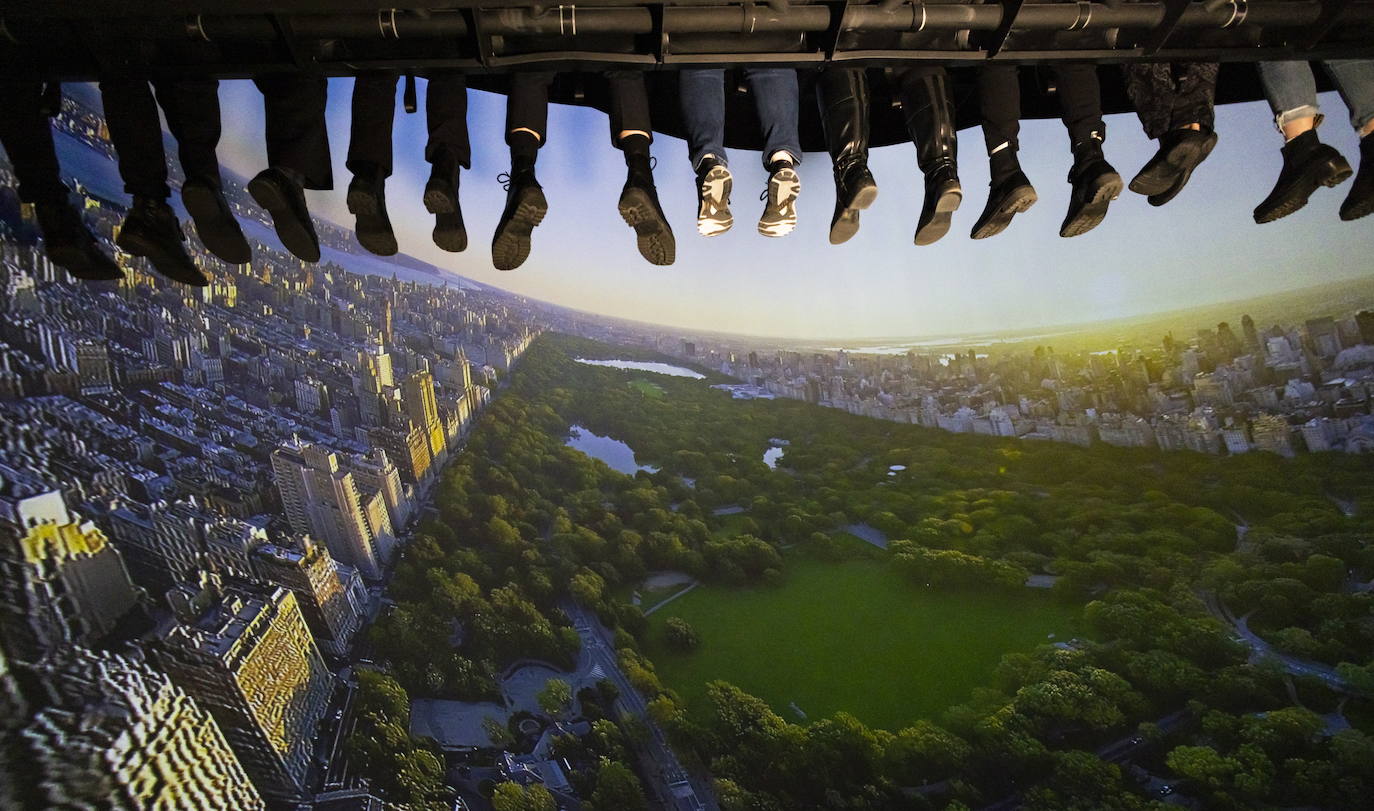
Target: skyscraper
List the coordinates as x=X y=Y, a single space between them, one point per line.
x=323 y=501
x=247 y=656
x=63 y=582
x=115 y=734
x=417 y=392
x=307 y=569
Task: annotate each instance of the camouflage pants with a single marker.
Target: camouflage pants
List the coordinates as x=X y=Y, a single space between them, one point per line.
x=1170 y=95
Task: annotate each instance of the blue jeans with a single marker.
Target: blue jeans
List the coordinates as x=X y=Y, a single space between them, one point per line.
x=702 y=93
x=1292 y=89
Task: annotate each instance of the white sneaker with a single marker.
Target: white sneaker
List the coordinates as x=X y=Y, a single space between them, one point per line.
x=713 y=192
x=780 y=212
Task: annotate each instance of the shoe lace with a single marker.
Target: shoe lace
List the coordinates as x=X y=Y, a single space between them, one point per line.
x=653 y=163
x=505 y=180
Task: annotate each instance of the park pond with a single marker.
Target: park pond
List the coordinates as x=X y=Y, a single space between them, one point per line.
x=645 y=366
x=613 y=452
x=771 y=457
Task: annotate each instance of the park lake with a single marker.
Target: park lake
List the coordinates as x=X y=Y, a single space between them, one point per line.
x=618 y=455
x=645 y=366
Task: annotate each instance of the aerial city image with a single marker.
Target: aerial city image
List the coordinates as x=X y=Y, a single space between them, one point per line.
x=375 y=436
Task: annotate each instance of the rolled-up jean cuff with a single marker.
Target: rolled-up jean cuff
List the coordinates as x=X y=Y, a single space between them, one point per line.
x=1288 y=116
x=1360 y=123
x=719 y=158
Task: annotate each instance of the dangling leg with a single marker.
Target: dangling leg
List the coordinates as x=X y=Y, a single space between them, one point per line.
x=448 y=151
x=776 y=99
x=843 y=98
x=1308 y=164
x=26 y=135
x=1009 y=191
x=701 y=93
x=193 y=116
x=1355 y=79
x=631 y=131
x=150 y=229
x=930 y=120
x=370 y=160
x=1175 y=105
x=1095 y=183
x=297 y=158
x=527 y=118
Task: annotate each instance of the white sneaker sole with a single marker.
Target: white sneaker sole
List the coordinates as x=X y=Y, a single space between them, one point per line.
x=780 y=213
x=713 y=216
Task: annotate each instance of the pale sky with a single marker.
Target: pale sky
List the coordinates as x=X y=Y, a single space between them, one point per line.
x=1202 y=247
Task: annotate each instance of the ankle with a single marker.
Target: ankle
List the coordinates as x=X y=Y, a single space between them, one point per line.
x=1302 y=143
x=779 y=160
x=1003 y=163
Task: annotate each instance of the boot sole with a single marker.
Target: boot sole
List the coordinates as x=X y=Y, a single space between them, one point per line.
x=296 y=236
x=440 y=202
x=219 y=233
x=653 y=235
x=511 y=245
x=165 y=263
x=451 y=236
x=939 y=224
x=373 y=230
x=1363 y=209
x=1020 y=200
x=1095 y=210
x=846 y=224
x=1337 y=171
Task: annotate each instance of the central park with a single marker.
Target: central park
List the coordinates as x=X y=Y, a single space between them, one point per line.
x=821 y=610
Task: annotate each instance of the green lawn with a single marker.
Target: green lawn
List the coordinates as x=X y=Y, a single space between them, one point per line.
x=651 y=390
x=851 y=636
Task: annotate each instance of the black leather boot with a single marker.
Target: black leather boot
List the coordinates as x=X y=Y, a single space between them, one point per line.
x=441 y=200
x=525 y=209
x=151 y=230
x=283 y=196
x=70 y=245
x=640 y=209
x=930 y=120
x=1360 y=203
x=1308 y=164
x=843 y=97
x=214 y=221
x=1009 y=194
x=1095 y=185
x=367 y=202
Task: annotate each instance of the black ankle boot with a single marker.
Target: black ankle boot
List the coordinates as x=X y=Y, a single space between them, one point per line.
x=69 y=244
x=214 y=221
x=640 y=209
x=1009 y=194
x=843 y=97
x=367 y=202
x=441 y=200
x=1165 y=174
x=930 y=120
x=1095 y=185
x=151 y=230
x=280 y=192
x=1360 y=202
x=1308 y=164
x=525 y=209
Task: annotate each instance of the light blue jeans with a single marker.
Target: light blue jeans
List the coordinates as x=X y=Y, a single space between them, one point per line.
x=701 y=92
x=1292 y=89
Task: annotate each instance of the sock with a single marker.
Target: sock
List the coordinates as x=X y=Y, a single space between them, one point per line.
x=524 y=148
x=1302 y=144
x=779 y=159
x=636 y=149
x=1002 y=162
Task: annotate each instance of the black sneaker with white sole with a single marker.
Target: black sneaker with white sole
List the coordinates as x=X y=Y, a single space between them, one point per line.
x=780 y=201
x=525 y=209
x=713 y=200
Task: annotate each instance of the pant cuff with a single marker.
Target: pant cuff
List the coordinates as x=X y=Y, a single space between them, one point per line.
x=1304 y=111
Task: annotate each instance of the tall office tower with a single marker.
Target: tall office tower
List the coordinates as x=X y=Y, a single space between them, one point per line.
x=116 y=734
x=375 y=472
x=1324 y=336
x=307 y=569
x=1272 y=433
x=63 y=583
x=322 y=500
x=417 y=392
x=247 y=656
x=1252 y=337
x=1364 y=319
x=409 y=449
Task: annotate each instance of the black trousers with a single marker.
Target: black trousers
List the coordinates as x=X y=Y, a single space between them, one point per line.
x=193 y=116
x=374 y=116
x=1172 y=95
x=999 y=98
x=527 y=106
x=26 y=135
x=297 y=137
